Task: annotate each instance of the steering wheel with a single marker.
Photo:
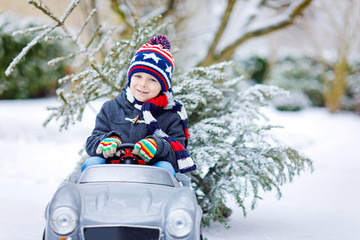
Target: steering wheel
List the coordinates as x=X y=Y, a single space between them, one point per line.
x=127 y=156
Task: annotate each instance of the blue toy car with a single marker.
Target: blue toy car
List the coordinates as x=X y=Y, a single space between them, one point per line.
x=123 y=201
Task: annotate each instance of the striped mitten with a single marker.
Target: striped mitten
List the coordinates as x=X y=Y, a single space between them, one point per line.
x=108 y=146
x=146 y=149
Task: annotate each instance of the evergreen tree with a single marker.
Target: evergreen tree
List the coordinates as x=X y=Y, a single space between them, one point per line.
x=231 y=144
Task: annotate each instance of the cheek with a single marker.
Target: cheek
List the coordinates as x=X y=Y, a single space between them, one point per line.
x=134 y=82
x=157 y=90
x=132 y=87
x=157 y=87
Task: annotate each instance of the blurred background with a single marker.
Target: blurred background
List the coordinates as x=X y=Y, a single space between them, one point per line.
x=310 y=48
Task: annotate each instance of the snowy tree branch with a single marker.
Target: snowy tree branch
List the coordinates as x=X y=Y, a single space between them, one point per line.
x=26 y=49
x=115 y=6
x=277 y=4
x=269 y=26
x=222 y=27
x=42 y=7
x=252 y=12
x=254 y=30
x=85 y=23
x=46 y=30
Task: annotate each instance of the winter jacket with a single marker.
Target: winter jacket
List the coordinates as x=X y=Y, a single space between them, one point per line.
x=116 y=118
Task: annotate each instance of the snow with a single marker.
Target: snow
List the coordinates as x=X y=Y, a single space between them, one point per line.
x=319 y=205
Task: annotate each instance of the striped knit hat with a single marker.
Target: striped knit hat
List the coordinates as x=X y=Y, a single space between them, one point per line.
x=155 y=58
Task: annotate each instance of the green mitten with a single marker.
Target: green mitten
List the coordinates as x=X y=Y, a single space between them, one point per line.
x=146 y=149
x=108 y=146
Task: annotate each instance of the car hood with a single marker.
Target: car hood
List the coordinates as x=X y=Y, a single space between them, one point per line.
x=123 y=201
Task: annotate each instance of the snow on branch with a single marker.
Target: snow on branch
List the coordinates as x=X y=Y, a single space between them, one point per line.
x=238 y=156
x=45 y=34
x=103 y=79
x=94 y=77
x=250 y=28
x=276 y=4
x=26 y=49
x=278 y=22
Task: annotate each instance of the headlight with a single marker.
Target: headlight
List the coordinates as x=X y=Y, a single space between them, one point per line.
x=179 y=223
x=63 y=220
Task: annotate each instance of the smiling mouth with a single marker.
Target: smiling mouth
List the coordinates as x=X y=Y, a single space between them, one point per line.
x=142 y=92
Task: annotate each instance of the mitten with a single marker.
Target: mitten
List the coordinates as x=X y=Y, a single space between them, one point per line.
x=146 y=149
x=108 y=146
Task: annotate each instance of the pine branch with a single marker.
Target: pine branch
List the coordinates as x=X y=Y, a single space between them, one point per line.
x=92 y=14
x=30 y=30
x=100 y=79
x=69 y=10
x=46 y=30
x=129 y=26
x=26 y=49
x=238 y=157
x=42 y=7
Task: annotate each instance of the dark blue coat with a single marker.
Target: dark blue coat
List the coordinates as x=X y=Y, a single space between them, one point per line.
x=116 y=119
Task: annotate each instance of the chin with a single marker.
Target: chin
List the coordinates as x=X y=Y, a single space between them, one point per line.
x=141 y=98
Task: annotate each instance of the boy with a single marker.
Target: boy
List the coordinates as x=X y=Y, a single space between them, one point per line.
x=145 y=114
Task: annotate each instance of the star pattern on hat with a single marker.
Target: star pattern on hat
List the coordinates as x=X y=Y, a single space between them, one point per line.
x=134 y=58
x=152 y=56
x=168 y=69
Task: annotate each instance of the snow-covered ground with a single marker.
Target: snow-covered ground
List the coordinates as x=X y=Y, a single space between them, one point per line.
x=323 y=205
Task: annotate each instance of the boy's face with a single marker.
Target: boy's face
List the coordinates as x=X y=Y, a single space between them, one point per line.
x=144 y=86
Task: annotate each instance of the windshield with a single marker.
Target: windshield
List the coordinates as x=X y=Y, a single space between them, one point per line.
x=127 y=173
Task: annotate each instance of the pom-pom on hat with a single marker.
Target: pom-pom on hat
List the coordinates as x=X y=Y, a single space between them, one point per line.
x=155 y=59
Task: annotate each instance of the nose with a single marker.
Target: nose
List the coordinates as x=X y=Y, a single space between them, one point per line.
x=143 y=82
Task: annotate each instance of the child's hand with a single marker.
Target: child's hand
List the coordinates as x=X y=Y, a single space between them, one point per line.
x=146 y=149
x=108 y=146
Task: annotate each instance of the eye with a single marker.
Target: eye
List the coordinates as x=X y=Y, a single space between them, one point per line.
x=137 y=75
x=153 y=80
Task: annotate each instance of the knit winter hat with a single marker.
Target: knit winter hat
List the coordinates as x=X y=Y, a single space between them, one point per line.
x=155 y=59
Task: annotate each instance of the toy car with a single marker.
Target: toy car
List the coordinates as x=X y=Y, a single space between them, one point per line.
x=123 y=201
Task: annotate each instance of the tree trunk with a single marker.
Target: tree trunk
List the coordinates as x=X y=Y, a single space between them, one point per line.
x=336 y=88
x=271 y=25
